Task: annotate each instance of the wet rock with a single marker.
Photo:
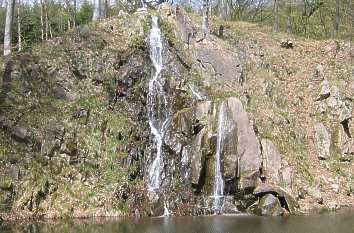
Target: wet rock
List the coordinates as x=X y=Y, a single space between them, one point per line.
x=269 y=205
x=198 y=157
x=248 y=148
x=229 y=206
x=325 y=91
x=201 y=143
x=286 y=200
x=323 y=140
x=271 y=161
x=332 y=205
x=240 y=151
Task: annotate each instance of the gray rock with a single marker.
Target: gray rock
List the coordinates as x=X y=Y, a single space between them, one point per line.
x=345 y=114
x=335 y=99
x=269 y=205
x=316 y=194
x=198 y=157
x=20 y=134
x=248 y=148
x=325 y=91
x=319 y=73
x=323 y=140
x=63 y=94
x=217 y=69
x=271 y=161
x=286 y=200
x=345 y=143
x=287 y=177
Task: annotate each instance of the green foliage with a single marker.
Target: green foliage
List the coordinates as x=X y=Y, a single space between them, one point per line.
x=83 y=16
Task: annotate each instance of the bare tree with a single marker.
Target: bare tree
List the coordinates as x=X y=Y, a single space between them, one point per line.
x=99 y=9
x=19 y=39
x=289 y=23
x=205 y=22
x=336 y=20
x=96 y=10
x=42 y=21
x=8 y=24
x=276 y=16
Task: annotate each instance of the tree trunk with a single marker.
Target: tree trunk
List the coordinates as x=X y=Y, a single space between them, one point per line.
x=336 y=20
x=74 y=18
x=19 y=26
x=289 y=22
x=46 y=19
x=96 y=10
x=205 y=23
x=50 y=31
x=8 y=23
x=42 y=22
x=223 y=9
x=276 y=16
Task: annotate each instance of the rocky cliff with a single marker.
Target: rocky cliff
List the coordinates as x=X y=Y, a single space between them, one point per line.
x=271 y=126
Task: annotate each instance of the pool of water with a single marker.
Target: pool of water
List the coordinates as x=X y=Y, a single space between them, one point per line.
x=340 y=222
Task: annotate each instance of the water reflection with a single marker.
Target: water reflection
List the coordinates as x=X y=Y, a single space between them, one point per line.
x=342 y=222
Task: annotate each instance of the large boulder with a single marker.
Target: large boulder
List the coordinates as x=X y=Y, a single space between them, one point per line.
x=269 y=205
x=285 y=199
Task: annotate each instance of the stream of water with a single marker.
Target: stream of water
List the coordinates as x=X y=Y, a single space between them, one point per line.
x=158 y=109
x=219 y=182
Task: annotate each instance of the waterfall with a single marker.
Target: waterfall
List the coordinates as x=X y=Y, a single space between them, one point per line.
x=196 y=95
x=159 y=114
x=219 y=182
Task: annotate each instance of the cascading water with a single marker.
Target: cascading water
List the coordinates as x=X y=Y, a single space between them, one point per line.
x=159 y=113
x=219 y=182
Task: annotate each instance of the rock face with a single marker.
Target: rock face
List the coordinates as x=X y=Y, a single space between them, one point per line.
x=240 y=150
x=219 y=65
x=323 y=140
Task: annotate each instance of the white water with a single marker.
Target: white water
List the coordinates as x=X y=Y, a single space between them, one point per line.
x=159 y=113
x=219 y=182
x=197 y=95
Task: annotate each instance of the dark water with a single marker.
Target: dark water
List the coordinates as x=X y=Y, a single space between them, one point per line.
x=341 y=222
